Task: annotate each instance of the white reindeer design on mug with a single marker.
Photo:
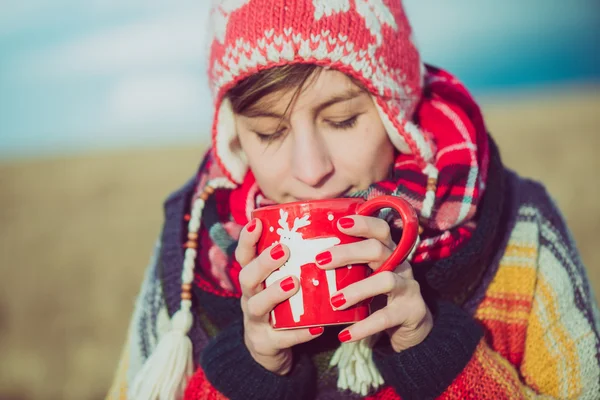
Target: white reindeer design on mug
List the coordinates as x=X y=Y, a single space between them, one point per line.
x=302 y=252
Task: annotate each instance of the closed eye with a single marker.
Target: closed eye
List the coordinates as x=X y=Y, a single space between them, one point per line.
x=270 y=137
x=345 y=124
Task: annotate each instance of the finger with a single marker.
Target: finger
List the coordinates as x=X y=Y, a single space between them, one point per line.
x=286 y=339
x=261 y=304
x=405 y=270
x=385 y=282
x=246 y=247
x=379 y=321
x=367 y=227
x=258 y=270
x=369 y=251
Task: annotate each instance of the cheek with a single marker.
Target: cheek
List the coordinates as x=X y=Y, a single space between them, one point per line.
x=384 y=155
x=367 y=154
x=270 y=168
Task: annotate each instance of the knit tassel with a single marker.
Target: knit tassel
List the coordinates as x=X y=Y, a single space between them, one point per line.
x=166 y=372
x=356 y=369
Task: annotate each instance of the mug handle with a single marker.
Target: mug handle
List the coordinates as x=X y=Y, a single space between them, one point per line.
x=409 y=232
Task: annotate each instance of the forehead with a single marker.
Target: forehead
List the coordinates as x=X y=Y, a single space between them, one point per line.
x=322 y=86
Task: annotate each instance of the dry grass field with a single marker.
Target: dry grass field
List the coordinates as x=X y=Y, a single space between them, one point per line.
x=76 y=232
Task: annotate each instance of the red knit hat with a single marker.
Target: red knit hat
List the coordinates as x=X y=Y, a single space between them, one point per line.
x=369 y=40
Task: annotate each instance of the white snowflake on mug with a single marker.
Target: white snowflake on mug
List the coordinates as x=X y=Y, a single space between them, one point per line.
x=375 y=13
x=302 y=252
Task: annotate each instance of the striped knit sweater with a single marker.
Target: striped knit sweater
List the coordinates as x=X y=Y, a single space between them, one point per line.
x=533 y=303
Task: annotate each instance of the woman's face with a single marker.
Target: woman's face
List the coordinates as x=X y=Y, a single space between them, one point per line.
x=329 y=142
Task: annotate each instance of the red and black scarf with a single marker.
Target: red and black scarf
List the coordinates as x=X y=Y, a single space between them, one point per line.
x=452 y=119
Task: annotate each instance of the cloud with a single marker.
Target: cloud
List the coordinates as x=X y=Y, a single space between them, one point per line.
x=108 y=71
x=26 y=16
x=176 y=39
x=445 y=31
x=156 y=99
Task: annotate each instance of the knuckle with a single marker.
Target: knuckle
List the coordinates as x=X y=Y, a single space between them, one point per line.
x=389 y=281
x=241 y=250
x=420 y=310
x=244 y=279
x=385 y=229
x=244 y=305
x=278 y=342
x=379 y=251
x=384 y=319
x=413 y=286
x=261 y=346
x=252 y=308
x=239 y=256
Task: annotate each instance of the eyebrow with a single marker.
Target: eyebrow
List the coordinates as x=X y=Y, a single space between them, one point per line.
x=339 y=98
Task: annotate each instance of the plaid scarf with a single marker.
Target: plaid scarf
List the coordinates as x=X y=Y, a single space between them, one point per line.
x=446 y=113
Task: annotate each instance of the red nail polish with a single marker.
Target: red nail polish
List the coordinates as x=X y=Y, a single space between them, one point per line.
x=344 y=336
x=277 y=252
x=323 y=258
x=346 y=222
x=338 y=300
x=317 y=330
x=251 y=226
x=287 y=284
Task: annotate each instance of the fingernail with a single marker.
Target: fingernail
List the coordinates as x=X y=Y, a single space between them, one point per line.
x=277 y=252
x=338 y=300
x=323 y=258
x=317 y=330
x=287 y=284
x=346 y=222
x=251 y=226
x=344 y=336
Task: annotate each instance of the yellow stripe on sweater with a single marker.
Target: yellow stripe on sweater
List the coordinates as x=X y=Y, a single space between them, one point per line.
x=511 y=284
x=516 y=281
x=516 y=275
x=557 y=373
x=522 y=251
x=516 y=317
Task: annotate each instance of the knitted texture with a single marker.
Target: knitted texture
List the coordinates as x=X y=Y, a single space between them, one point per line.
x=426 y=370
x=368 y=40
x=463 y=159
x=537 y=309
x=426 y=112
x=229 y=366
x=514 y=314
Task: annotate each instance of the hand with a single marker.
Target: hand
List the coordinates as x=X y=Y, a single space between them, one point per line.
x=406 y=318
x=268 y=347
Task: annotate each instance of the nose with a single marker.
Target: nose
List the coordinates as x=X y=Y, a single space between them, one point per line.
x=311 y=161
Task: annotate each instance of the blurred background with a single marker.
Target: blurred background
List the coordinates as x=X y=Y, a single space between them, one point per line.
x=104 y=110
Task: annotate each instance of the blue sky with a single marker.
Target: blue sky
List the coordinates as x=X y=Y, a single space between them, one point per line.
x=103 y=74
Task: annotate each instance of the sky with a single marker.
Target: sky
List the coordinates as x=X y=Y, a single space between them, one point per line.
x=78 y=76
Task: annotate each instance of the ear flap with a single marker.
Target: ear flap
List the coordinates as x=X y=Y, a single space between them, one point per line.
x=225 y=142
x=404 y=134
x=395 y=137
x=409 y=138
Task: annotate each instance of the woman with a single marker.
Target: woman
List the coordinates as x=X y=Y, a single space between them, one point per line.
x=320 y=99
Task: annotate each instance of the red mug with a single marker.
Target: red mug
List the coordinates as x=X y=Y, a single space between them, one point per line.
x=310 y=227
